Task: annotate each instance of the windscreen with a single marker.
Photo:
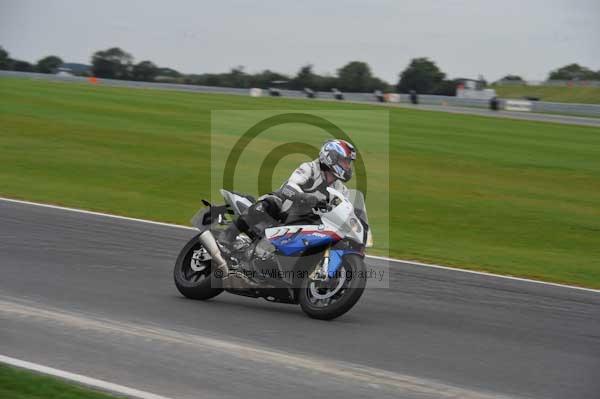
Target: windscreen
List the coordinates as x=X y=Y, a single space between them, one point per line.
x=358 y=201
x=360 y=210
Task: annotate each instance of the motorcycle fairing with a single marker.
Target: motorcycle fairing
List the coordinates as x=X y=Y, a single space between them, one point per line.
x=293 y=240
x=238 y=202
x=211 y=214
x=335 y=259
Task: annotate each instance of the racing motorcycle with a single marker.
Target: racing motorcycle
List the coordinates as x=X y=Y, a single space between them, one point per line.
x=315 y=259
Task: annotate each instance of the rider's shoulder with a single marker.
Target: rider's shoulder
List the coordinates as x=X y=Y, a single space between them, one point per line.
x=315 y=166
x=311 y=167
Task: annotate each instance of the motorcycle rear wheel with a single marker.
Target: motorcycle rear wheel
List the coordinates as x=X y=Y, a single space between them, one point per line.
x=344 y=291
x=194 y=284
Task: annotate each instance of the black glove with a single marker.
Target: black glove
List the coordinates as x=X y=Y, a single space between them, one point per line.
x=306 y=201
x=321 y=205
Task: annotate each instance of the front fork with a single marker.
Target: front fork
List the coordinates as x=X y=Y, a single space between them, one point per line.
x=322 y=269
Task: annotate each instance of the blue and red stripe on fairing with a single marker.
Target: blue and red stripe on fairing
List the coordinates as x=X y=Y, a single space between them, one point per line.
x=293 y=243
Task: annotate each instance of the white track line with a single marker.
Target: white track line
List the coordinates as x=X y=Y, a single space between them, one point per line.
x=81 y=379
x=178 y=226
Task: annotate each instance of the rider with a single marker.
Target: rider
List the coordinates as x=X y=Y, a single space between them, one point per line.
x=305 y=188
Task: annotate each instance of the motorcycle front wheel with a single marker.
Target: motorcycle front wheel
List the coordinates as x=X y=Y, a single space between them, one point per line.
x=193 y=273
x=331 y=299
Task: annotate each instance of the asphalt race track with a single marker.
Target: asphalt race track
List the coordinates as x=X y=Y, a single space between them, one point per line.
x=94 y=296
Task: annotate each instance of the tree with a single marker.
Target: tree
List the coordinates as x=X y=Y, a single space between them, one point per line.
x=145 y=71
x=5 y=61
x=325 y=83
x=21 y=66
x=113 y=63
x=304 y=79
x=481 y=82
x=378 y=84
x=421 y=75
x=207 y=79
x=266 y=78
x=168 y=72
x=446 y=87
x=237 y=78
x=48 y=64
x=573 y=72
x=512 y=78
x=355 y=76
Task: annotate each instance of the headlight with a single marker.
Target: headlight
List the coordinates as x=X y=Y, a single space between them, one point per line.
x=355 y=225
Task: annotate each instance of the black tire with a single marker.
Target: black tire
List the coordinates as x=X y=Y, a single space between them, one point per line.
x=356 y=283
x=194 y=285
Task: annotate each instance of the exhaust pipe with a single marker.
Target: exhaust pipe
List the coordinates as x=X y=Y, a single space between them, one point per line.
x=210 y=244
x=230 y=281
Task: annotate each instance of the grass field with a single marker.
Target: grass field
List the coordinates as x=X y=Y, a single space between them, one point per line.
x=562 y=94
x=21 y=384
x=505 y=196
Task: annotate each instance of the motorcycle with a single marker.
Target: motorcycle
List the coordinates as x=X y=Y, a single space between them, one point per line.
x=315 y=259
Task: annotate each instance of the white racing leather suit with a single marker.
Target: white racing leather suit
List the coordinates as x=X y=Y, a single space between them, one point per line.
x=307 y=184
x=309 y=179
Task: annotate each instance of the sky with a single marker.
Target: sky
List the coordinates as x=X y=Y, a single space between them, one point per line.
x=465 y=38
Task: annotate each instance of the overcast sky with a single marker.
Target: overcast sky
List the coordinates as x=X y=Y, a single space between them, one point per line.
x=465 y=37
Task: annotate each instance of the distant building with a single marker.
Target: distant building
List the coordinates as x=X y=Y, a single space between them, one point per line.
x=473 y=88
x=74 y=68
x=64 y=72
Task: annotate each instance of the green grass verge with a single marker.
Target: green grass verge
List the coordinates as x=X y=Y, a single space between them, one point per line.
x=21 y=384
x=561 y=94
x=500 y=195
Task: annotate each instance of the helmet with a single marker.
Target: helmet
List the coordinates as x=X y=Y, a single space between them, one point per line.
x=337 y=156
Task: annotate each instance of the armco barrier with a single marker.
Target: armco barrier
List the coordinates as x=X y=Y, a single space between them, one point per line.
x=536 y=106
x=566 y=108
x=429 y=99
x=517 y=105
x=534 y=83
